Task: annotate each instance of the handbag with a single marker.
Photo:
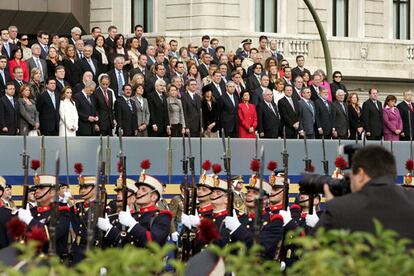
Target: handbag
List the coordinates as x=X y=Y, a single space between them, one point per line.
x=34 y=132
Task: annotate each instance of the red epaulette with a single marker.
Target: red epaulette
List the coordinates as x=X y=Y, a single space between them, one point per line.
x=295 y=206
x=64 y=209
x=275 y=217
x=167 y=212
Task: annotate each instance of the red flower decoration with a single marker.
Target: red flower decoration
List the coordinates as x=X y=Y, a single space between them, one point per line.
x=409 y=164
x=35 y=164
x=206 y=165
x=145 y=164
x=272 y=166
x=255 y=165
x=78 y=168
x=216 y=168
x=16 y=228
x=341 y=163
x=207 y=231
x=37 y=234
x=119 y=165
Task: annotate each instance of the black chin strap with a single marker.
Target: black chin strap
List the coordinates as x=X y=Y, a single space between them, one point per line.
x=205 y=195
x=278 y=193
x=84 y=196
x=147 y=193
x=38 y=198
x=217 y=197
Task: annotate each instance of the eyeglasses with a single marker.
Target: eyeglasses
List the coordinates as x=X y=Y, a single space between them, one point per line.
x=24 y=39
x=337 y=76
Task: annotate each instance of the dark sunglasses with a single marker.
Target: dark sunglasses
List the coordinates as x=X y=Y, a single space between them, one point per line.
x=24 y=39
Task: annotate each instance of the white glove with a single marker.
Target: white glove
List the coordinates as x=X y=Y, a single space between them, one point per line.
x=25 y=215
x=174 y=236
x=104 y=224
x=312 y=220
x=125 y=218
x=67 y=195
x=185 y=220
x=194 y=220
x=287 y=217
x=232 y=223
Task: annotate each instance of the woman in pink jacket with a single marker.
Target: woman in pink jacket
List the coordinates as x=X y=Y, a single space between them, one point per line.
x=392 y=120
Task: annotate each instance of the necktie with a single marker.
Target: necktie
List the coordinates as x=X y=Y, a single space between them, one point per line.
x=271 y=107
x=120 y=83
x=45 y=48
x=7 y=46
x=39 y=66
x=232 y=99
x=12 y=102
x=311 y=108
x=52 y=96
x=92 y=66
x=3 y=78
x=129 y=104
x=106 y=97
x=162 y=100
x=343 y=107
x=376 y=105
x=291 y=103
x=89 y=100
x=238 y=89
x=219 y=89
x=326 y=104
x=410 y=106
x=80 y=54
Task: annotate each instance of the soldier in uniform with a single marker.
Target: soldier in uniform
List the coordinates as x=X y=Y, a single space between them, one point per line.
x=239 y=196
x=177 y=207
x=162 y=204
x=31 y=200
x=5 y=217
x=149 y=224
x=41 y=216
x=6 y=198
x=204 y=190
x=80 y=216
x=271 y=225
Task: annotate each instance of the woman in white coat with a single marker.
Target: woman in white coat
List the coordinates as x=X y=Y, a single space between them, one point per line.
x=68 y=114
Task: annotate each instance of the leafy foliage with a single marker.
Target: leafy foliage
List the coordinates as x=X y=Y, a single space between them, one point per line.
x=335 y=252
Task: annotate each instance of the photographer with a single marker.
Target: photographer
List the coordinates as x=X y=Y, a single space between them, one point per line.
x=374 y=195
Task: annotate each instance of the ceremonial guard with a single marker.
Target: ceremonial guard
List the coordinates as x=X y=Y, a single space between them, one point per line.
x=131 y=201
x=177 y=207
x=268 y=230
x=204 y=190
x=239 y=195
x=54 y=221
x=149 y=224
x=80 y=214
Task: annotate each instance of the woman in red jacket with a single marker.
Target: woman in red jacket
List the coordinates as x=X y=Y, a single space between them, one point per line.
x=16 y=60
x=247 y=117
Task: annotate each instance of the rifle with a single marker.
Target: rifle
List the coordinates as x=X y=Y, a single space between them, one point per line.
x=25 y=163
x=201 y=140
x=325 y=162
x=185 y=238
x=259 y=203
x=101 y=189
x=66 y=152
x=191 y=159
x=94 y=209
x=285 y=158
x=108 y=160
x=122 y=160
x=169 y=160
x=227 y=168
x=42 y=155
x=308 y=163
x=54 y=210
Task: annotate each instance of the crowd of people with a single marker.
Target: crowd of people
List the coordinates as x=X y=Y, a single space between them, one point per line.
x=102 y=86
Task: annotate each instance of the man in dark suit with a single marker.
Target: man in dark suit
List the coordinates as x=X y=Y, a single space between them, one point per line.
x=159 y=75
x=256 y=96
x=143 y=42
x=297 y=88
x=109 y=41
x=268 y=116
x=316 y=81
x=85 y=104
x=406 y=109
x=87 y=76
x=8 y=47
x=118 y=76
x=36 y=62
x=157 y=105
x=4 y=75
x=18 y=79
x=340 y=116
x=79 y=47
x=48 y=105
x=60 y=78
x=289 y=113
x=126 y=113
x=229 y=110
x=88 y=63
x=9 y=112
x=192 y=105
x=217 y=86
x=43 y=40
x=203 y=67
x=141 y=68
x=372 y=184
x=253 y=81
x=307 y=115
x=104 y=103
x=300 y=69
x=372 y=116
x=324 y=114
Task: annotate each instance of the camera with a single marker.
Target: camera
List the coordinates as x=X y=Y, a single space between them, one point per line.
x=312 y=184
